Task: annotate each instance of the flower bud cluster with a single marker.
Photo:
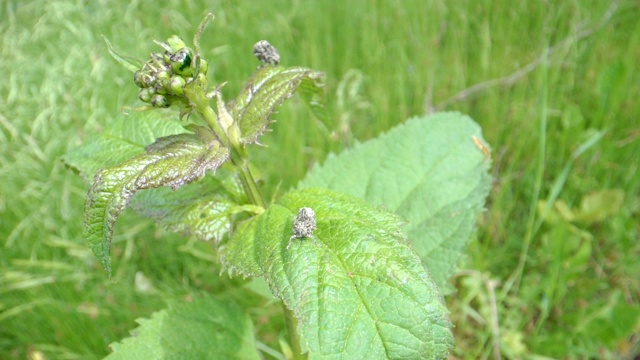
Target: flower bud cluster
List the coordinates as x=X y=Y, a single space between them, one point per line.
x=163 y=77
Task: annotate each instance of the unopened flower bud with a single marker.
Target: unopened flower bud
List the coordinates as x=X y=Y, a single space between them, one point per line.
x=160 y=88
x=166 y=58
x=162 y=75
x=204 y=66
x=138 y=79
x=145 y=95
x=160 y=101
x=176 y=85
x=202 y=78
x=142 y=79
x=166 y=74
x=176 y=43
x=157 y=57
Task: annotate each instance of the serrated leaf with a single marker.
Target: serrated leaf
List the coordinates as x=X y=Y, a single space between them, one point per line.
x=204 y=209
x=267 y=88
x=130 y=63
x=126 y=137
x=431 y=170
x=204 y=328
x=356 y=287
x=311 y=90
x=171 y=161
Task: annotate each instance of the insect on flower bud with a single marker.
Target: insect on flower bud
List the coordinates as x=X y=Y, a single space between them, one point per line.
x=266 y=52
x=181 y=62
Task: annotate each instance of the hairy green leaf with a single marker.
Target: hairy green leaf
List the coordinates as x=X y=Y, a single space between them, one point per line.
x=267 y=88
x=204 y=328
x=126 y=137
x=432 y=171
x=171 y=161
x=356 y=287
x=204 y=209
x=311 y=90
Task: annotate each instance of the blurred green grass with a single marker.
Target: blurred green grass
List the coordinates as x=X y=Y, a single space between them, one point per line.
x=576 y=295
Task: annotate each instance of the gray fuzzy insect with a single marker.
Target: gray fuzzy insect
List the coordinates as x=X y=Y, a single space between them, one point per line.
x=266 y=52
x=303 y=224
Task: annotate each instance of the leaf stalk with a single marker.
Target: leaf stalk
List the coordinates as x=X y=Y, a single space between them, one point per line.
x=238 y=154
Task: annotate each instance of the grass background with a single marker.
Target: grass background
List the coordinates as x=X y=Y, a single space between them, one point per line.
x=560 y=282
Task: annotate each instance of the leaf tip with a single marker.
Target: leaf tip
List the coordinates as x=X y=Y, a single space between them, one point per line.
x=127 y=63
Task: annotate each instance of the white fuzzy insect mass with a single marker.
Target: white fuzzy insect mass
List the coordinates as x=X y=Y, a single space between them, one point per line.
x=266 y=52
x=304 y=224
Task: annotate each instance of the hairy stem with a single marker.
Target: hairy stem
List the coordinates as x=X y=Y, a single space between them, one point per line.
x=240 y=159
x=248 y=181
x=237 y=153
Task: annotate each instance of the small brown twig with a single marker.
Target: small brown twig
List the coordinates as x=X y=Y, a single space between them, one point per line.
x=509 y=80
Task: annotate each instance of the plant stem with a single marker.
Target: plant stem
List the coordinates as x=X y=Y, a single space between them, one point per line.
x=248 y=181
x=237 y=154
x=239 y=158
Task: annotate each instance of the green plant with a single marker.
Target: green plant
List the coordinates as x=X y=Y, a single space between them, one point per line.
x=356 y=253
